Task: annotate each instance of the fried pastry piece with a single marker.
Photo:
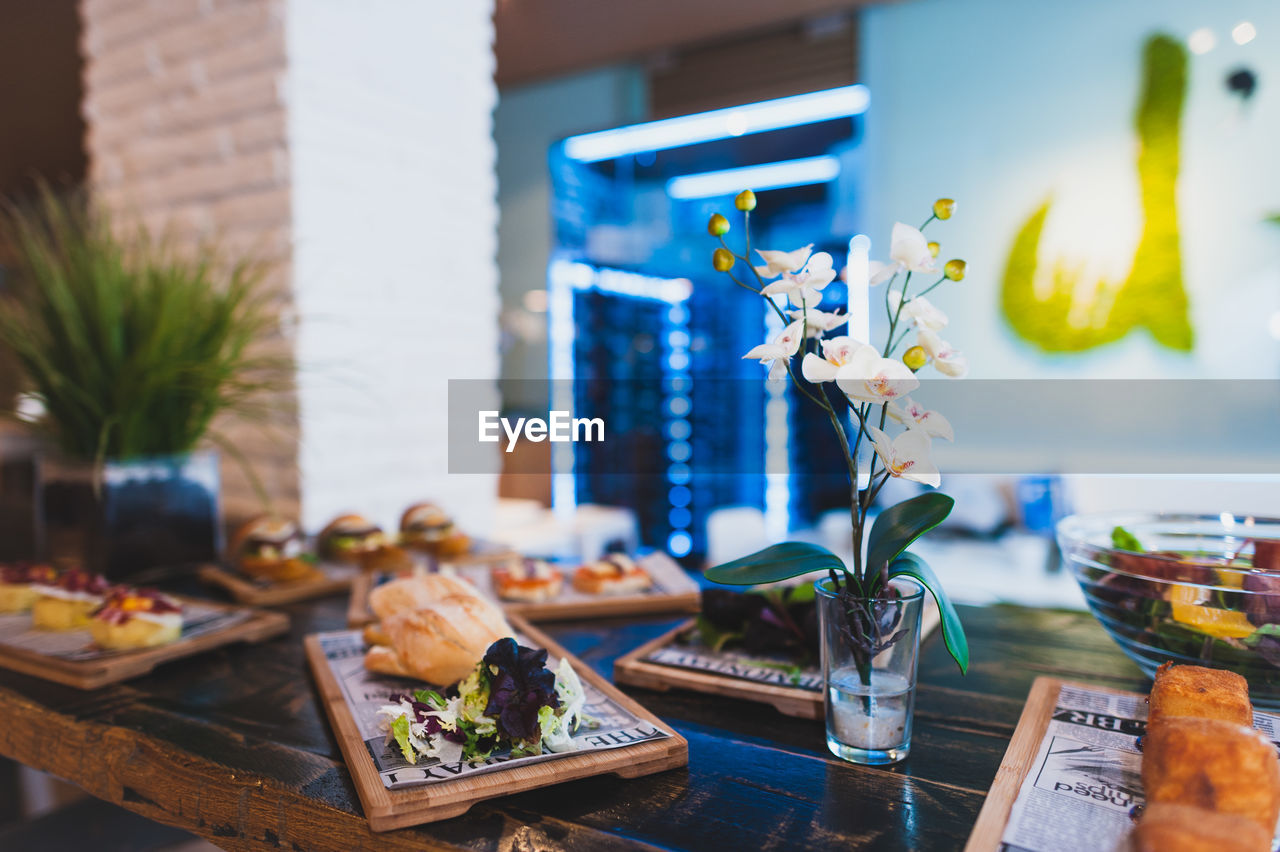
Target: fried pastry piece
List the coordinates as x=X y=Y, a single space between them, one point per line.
x=1212 y=764
x=1183 y=828
x=1201 y=693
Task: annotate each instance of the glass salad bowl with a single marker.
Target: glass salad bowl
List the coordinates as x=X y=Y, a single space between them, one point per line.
x=1196 y=589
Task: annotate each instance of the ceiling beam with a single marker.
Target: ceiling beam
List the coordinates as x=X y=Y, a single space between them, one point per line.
x=537 y=39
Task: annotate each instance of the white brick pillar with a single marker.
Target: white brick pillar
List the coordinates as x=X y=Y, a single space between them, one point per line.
x=392 y=159
x=352 y=142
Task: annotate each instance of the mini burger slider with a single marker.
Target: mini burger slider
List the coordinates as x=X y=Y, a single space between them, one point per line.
x=425 y=526
x=270 y=548
x=348 y=537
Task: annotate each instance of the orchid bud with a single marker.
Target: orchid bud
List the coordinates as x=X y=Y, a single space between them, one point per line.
x=722 y=260
x=718 y=226
x=915 y=358
x=944 y=207
x=745 y=201
x=954 y=269
x=934 y=248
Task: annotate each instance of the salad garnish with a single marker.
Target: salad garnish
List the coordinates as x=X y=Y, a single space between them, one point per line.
x=510 y=702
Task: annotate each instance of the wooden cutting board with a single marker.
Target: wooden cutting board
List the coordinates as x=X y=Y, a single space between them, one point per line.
x=674 y=591
x=637 y=669
x=97 y=671
x=387 y=809
x=335 y=580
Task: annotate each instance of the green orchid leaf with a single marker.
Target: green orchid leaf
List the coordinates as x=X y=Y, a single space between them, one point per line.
x=898 y=526
x=779 y=562
x=910 y=565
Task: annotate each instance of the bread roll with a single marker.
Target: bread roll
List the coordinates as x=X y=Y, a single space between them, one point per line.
x=1201 y=693
x=1212 y=764
x=410 y=593
x=1183 y=828
x=441 y=643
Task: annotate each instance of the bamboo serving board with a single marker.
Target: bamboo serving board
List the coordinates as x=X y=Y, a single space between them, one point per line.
x=389 y=809
x=116 y=667
x=1017 y=761
x=336 y=579
x=679 y=594
x=635 y=669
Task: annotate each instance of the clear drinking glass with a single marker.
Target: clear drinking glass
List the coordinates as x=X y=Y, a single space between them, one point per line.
x=869 y=651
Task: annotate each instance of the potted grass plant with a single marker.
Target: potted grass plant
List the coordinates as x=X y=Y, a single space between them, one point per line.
x=129 y=350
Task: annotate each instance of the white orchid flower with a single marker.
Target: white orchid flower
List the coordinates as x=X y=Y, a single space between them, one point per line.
x=946 y=359
x=859 y=371
x=778 y=351
x=907 y=456
x=836 y=353
x=778 y=262
x=908 y=252
x=816 y=275
x=915 y=416
x=819 y=322
x=919 y=312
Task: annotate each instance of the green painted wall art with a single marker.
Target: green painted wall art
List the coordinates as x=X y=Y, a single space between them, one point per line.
x=1153 y=295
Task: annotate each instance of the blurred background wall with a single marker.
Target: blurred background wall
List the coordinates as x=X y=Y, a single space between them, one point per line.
x=353 y=149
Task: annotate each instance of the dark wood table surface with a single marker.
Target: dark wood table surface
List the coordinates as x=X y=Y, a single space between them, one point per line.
x=234 y=747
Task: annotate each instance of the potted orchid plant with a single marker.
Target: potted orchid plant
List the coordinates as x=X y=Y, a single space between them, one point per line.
x=870 y=611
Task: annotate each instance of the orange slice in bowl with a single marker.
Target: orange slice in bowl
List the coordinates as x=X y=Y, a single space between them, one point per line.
x=1219 y=623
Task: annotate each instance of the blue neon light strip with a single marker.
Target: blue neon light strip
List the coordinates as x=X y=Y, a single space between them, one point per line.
x=800 y=172
x=719 y=124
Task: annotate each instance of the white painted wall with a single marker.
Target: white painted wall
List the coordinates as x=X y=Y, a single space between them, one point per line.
x=394 y=225
x=1000 y=103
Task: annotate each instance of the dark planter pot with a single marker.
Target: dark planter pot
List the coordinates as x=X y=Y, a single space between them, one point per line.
x=125 y=517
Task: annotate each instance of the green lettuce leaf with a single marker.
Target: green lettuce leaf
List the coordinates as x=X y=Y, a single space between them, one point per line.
x=1122 y=539
x=400 y=730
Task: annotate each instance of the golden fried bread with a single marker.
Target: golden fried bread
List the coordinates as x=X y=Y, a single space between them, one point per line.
x=1200 y=692
x=1212 y=764
x=1183 y=828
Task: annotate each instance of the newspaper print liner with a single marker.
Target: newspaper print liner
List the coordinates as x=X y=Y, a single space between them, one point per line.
x=698 y=657
x=1086 y=778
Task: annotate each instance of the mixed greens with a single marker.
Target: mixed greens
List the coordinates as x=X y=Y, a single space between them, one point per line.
x=511 y=702
x=779 y=622
x=1220 y=609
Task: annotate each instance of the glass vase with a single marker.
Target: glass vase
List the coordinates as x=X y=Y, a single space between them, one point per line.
x=123 y=517
x=869 y=650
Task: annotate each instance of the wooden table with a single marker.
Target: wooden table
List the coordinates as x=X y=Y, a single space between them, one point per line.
x=233 y=746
